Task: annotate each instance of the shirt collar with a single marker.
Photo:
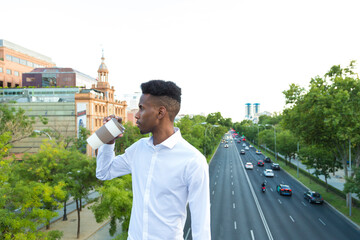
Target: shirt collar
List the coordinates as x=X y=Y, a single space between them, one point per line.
x=170 y=141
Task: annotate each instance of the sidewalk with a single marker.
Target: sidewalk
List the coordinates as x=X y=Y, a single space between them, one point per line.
x=88 y=225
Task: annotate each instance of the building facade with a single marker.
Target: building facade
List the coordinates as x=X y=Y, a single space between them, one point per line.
x=15 y=60
x=92 y=105
x=57 y=77
x=65 y=108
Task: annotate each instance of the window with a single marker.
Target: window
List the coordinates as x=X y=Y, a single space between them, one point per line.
x=1 y=69
x=15 y=59
x=9 y=84
x=16 y=73
x=8 y=57
x=95 y=108
x=30 y=64
x=29 y=79
x=1 y=84
x=8 y=71
x=23 y=62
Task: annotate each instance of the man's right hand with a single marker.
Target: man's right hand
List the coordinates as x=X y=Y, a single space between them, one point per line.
x=119 y=119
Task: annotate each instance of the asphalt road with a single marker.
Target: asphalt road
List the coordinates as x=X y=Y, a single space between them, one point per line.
x=240 y=210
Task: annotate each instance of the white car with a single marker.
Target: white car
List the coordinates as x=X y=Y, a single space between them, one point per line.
x=226 y=146
x=251 y=146
x=269 y=173
x=258 y=152
x=244 y=145
x=249 y=165
x=246 y=148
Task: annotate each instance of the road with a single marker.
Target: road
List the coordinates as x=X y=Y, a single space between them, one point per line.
x=239 y=209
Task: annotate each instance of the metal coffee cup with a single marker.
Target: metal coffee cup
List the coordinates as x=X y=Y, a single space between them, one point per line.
x=105 y=134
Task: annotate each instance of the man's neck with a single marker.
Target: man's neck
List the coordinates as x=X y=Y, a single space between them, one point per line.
x=162 y=134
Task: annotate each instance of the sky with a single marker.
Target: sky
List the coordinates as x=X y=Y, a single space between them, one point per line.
x=222 y=54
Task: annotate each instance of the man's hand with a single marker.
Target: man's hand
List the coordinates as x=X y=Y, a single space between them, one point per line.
x=119 y=119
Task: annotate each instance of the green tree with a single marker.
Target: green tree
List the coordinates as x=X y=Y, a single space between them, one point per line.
x=353 y=183
x=328 y=114
x=22 y=203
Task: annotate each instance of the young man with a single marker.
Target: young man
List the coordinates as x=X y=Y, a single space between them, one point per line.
x=167 y=172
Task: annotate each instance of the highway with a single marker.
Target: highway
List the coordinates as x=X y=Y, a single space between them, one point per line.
x=240 y=210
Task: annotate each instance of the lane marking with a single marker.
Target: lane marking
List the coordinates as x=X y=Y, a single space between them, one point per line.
x=271 y=189
x=252 y=234
x=279 y=201
x=292 y=219
x=235 y=225
x=303 y=203
x=232 y=192
x=213 y=192
x=215 y=183
x=233 y=205
x=232 y=183
x=267 y=229
x=322 y=222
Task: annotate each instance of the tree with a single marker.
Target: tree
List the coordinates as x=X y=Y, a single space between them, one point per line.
x=328 y=114
x=22 y=203
x=17 y=123
x=286 y=143
x=353 y=183
x=318 y=158
x=115 y=203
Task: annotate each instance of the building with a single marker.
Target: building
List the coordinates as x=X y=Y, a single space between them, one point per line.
x=92 y=105
x=58 y=77
x=16 y=60
x=248 y=111
x=252 y=113
x=65 y=108
x=132 y=101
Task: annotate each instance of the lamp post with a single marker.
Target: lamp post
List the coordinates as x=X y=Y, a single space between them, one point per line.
x=40 y=132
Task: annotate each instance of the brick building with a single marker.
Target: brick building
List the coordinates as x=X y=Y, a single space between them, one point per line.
x=15 y=60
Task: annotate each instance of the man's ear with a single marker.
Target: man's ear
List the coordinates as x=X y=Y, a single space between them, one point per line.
x=162 y=112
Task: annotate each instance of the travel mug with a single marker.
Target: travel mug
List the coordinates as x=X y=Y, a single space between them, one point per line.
x=105 y=134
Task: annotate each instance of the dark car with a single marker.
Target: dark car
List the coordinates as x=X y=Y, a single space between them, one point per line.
x=239 y=141
x=275 y=166
x=260 y=163
x=283 y=189
x=313 y=197
x=242 y=151
x=267 y=159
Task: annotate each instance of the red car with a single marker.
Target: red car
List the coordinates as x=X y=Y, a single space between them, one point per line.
x=260 y=163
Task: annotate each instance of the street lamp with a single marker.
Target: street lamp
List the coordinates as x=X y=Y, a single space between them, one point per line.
x=274 y=140
x=204 y=123
x=40 y=132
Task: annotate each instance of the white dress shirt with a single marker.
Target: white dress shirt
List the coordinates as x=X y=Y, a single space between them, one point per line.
x=165 y=177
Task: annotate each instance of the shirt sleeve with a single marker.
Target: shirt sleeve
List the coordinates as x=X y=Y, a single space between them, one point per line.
x=108 y=166
x=199 y=199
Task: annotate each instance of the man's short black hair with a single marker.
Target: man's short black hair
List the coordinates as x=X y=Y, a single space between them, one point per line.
x=162 y=88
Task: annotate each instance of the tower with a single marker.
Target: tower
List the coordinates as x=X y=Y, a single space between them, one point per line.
x=103 y=84
x=248 y=110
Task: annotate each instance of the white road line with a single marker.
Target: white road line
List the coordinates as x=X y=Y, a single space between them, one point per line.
x=213 y=192
x=252 y=234
x=231 y=176
x=232 y=183
x=292 y=219
x=232 y=192
x=279 y=201
x=233 y=205
x=215 y=183
x=322 y=222
x=235 y=225
x=271 y=189
x=187 y=234
x=263 y=219
x=303 y=203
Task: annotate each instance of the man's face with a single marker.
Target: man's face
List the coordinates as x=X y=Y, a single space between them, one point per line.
x=146 y=117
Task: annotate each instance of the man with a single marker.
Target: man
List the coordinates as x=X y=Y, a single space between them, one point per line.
x=167 y=172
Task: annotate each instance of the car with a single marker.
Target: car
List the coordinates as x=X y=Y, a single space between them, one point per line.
x=242 y=151
x=284 y=189
x=267 y=159
x=260 y=163
x=275 y=166
x=239 y=141
x=258 y=152
x=226 y=146
x=246 y=148
x=313 y=197
x=244 y=145
x=251 y=146
x=249 y=165
x=269 y=173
